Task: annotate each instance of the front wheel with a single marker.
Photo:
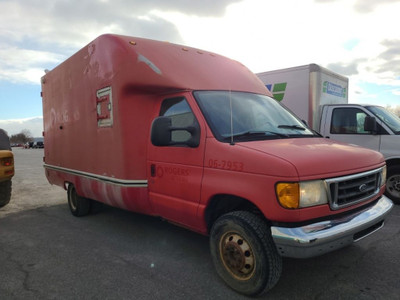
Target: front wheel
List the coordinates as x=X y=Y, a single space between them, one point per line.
x=393 y=184
x=244 y=253
x=5 y=192
x=78 y=205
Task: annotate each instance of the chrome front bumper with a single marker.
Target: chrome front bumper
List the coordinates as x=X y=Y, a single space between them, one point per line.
x=326 y=236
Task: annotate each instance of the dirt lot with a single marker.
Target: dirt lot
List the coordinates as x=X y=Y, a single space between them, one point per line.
x=46 y=253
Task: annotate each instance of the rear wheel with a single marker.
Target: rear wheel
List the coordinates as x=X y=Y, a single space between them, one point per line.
x=5 y=192
x=393 y=184
x=244 y=254
x=78 y=205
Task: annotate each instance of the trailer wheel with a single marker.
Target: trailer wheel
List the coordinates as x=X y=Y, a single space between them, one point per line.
x=393 y=184
x=5 y=192
x=78 y=205
x=244 y=254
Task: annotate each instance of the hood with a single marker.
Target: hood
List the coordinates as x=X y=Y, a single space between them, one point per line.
x=318 y=156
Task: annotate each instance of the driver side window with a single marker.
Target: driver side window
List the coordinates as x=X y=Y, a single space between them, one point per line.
x=348 y=121
x=181 y=115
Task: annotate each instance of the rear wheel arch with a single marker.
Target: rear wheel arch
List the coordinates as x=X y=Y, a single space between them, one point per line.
x=78 y=205
x=393 y=162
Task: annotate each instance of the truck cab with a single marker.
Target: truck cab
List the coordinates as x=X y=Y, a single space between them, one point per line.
x=320 y=97
x=368 y=126
x=6 y=168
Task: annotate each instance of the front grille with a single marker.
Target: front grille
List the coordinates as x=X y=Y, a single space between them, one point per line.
x=349 y=190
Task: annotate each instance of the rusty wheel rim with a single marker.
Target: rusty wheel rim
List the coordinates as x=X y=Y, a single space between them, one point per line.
x=237 y=256
x=73 y=198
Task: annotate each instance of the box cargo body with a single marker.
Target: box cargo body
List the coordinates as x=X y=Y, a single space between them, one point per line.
x=195 y=138
x=98 y=107
x=320 y=97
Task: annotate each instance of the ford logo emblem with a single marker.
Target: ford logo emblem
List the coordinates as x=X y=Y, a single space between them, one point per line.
x=362 y=187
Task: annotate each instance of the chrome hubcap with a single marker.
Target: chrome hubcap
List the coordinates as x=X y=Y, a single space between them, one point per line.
x=393 y=185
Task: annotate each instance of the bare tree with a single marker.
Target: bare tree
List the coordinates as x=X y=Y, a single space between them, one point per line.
x=23 y=137
x=394 y=109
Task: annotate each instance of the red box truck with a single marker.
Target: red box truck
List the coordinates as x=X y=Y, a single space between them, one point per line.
x=195 y=138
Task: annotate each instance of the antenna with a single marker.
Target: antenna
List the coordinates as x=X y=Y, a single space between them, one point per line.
x=230 y=105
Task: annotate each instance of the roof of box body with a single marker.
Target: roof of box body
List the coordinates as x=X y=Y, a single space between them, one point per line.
x=158 y=66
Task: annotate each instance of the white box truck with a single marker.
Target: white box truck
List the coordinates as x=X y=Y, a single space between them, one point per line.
x=320 y=97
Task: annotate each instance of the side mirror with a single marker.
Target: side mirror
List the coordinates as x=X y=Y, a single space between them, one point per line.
x=370 y=124
x=162 y=133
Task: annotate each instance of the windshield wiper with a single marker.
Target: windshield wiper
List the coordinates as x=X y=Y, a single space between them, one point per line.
x=258 y=134
x=297 y=127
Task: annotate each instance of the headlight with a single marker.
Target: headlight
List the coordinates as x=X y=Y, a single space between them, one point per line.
x=383 y=176
x=312 y=193
x=303 y=194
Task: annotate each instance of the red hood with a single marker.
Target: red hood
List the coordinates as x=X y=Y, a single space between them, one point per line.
x=318 y=156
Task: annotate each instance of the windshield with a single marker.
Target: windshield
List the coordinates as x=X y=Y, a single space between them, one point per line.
x=390 y=119
x=247 y=117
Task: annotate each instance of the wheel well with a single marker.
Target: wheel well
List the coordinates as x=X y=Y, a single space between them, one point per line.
x=393 y=162
x=222 y=204
x=66 y=185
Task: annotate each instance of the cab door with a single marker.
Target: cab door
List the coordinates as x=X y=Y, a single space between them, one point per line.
x=176 y=171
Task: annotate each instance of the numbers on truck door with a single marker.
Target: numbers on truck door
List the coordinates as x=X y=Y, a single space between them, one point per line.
x=226 y=165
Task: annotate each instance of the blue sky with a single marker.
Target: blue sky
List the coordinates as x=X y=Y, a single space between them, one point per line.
x=356 y=38
x=20 y=101
x=384 y=95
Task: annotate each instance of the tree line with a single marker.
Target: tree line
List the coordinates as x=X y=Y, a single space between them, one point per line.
x=23 y=137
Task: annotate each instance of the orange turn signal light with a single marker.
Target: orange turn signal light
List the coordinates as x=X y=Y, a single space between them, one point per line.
x=288 y=194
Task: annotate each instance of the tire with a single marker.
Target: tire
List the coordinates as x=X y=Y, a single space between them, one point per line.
x=393 y=184
x=244 y=253
x=5 y=192
x=78 y=205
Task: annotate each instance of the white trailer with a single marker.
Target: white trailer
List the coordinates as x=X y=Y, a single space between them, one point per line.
x=306 y=89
